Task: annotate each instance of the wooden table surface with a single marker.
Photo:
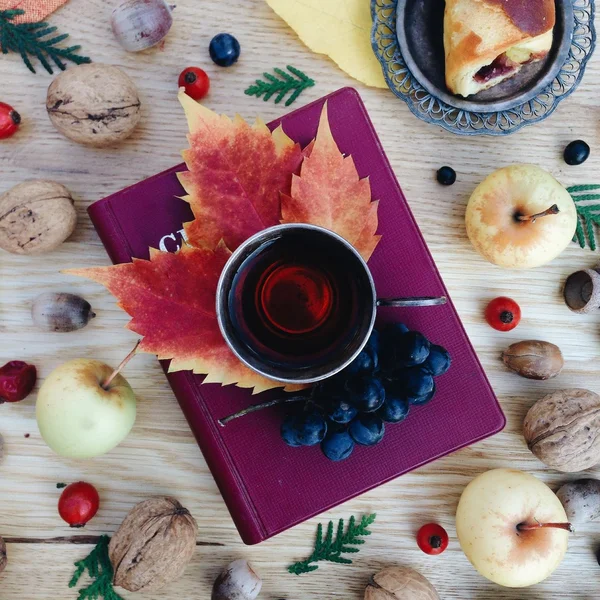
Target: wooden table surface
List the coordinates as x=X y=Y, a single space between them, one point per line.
x=160 y=456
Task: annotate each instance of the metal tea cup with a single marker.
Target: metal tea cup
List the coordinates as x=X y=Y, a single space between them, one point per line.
x=306 y=373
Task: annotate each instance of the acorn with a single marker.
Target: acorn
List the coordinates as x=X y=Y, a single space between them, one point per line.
x=400 y=583
x=237 y=582
x=61 y=312
x=534 y=359
x=581 y=500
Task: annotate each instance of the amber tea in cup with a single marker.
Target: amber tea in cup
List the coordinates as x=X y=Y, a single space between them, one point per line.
x=299 y=299
x=297 y=303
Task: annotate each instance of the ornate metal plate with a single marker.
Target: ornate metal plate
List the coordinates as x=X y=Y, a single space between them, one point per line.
x=526 y=99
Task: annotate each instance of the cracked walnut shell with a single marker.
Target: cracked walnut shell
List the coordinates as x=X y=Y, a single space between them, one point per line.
x=153 y=545
x=562 y=429
x=94 y=104
x=36 y=217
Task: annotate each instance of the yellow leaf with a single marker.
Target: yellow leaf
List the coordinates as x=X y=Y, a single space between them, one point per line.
x=341 y=29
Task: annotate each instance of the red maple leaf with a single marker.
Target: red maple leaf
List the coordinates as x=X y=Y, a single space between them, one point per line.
x=171 y=299
x=235 y=175
x=328 y=192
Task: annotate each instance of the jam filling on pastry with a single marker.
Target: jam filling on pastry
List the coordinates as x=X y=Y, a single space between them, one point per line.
x=502 y=66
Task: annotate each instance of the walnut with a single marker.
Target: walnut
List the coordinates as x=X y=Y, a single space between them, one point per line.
x=401 y=583
x=153 y=545
x=562 y=430
x=94 y=104
x=36 y=217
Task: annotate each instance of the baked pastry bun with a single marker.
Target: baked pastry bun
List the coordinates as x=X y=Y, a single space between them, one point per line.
x=488 y=41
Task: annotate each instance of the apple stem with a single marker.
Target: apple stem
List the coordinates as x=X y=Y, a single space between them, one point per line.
x=532 y=527
x=553 y=210
x=121 y=366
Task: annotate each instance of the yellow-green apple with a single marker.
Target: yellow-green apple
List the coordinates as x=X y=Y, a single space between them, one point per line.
x=520 y=217
x=512 y=527
x=84 y=409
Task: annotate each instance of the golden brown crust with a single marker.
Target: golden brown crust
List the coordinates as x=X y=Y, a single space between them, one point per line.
x=477 y=32
x=465 y=52
x=533 y=17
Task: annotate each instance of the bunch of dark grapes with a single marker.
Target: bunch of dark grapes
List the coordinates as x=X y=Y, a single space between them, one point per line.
x=396 y=370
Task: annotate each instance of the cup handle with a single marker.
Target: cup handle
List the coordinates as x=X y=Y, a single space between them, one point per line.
x=407 y=302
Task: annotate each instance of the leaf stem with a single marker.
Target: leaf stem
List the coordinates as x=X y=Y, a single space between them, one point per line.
x=121 y=366
x=553 y=210
x=257 y=407
x=534 y=526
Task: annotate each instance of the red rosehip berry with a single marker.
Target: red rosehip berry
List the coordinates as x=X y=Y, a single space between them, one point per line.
x=17 y=379
x=432 y=538
x=78 y=503
x=503 y=314
x=195 y=81
x=10 y=120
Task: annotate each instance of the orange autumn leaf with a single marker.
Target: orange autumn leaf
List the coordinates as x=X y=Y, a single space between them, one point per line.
x=235 y=175
x=35 y=10
x=171 y=299
x=328 y=192
x=234 y=184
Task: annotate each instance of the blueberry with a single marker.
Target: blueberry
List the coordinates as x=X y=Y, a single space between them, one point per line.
x=337 y=445
x=367 y=394
x=304 y=429
x=576 y=152
x=366 y=362
x=446 y=175
x=417 y=382
x=395 y=331
x=408 y=351
x=367 y=430
x=340 y=411
x=394 y=410
x=374 y=341
x=414 y=349
x=438 y=361
x=329 y=388
x=391 y=339
x=421 y=400
x=289 y=431
x=224 y=49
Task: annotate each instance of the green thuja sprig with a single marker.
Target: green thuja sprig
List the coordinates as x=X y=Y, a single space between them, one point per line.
x=97 y=563
x=26 y=39
x=280 y=85
x=588 y=213
x=331 y=549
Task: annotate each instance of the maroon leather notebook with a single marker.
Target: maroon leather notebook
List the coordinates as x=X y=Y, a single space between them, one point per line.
x=268 y=486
